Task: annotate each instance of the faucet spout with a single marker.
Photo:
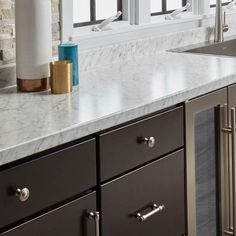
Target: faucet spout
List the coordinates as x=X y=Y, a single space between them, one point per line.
x=219 y=37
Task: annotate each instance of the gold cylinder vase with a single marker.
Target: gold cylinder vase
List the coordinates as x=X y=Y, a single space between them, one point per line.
x=61 y=77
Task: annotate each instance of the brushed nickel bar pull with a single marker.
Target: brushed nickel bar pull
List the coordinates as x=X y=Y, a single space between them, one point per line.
x=227 y=232
x=228 y=171
x=96 y=217
x=155 y=210
x=233 y=135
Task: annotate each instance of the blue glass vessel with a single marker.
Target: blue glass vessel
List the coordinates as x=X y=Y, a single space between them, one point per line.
x=69 y=51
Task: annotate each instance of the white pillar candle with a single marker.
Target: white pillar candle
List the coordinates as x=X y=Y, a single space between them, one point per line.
x=33 y=39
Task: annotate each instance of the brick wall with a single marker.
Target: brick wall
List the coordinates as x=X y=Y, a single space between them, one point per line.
x=7 y=32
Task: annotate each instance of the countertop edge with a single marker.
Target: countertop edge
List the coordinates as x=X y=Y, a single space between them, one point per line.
x=73 y=133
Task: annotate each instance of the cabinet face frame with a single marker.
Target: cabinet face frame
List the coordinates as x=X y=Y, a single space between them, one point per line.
x=232 y=163
x=192 y=107
x=232 y=96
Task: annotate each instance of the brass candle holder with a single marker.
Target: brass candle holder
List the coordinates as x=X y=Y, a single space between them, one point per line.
x=61 y=77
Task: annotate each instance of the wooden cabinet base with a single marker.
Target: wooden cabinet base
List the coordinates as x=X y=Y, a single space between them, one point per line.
x=68 y=220
x=131 y=198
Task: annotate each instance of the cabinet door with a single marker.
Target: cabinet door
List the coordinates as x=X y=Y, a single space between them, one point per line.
x=51 y=179
x=129 y=200
x=127 y=147
x=230 y=203
x=205 y=156
x=68 y=220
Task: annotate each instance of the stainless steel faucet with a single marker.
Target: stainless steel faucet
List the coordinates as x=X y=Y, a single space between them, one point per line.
x=220 y=23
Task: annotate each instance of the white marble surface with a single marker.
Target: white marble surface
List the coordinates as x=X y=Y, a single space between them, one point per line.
x=117 y=53
x=127 y=50
x=107 y=96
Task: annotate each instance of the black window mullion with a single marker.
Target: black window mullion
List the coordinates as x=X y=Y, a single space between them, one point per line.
x=164 y=5
x=119 y=7
x=93 y=10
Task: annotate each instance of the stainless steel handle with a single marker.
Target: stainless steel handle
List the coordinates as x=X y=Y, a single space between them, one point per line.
x=233 y=135
x=151 y=142
x=231 y=225
x=96 y=217
x=23 y=194
x=155 y=210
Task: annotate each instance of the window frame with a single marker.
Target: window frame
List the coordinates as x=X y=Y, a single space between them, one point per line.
x=124 y=31
x=164 y=10
x=93 y=20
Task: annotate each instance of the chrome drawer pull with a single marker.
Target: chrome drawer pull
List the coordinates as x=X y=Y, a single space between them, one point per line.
x=96 y=217
x=23 y=194
x=151 y=142
x=155 y=210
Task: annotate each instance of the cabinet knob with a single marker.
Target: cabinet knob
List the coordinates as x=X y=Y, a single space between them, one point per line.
x=23 y=194
x=150 y=142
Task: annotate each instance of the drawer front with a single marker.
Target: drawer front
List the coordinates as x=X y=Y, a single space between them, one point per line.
x=50 y=179
x=122 y=149
x=69 y=220
x=160 y=183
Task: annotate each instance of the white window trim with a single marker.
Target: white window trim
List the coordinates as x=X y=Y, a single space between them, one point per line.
x=123 y=31
x=66 y=7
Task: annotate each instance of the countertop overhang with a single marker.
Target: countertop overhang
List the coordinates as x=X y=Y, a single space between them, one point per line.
x=106 y=97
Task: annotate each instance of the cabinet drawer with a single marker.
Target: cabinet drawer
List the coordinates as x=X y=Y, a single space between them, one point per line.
x=160 y=183
x=50 y=179
x=69 y=220
x=123 y=149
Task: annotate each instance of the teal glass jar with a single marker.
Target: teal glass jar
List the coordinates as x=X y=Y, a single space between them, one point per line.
x=69 y=51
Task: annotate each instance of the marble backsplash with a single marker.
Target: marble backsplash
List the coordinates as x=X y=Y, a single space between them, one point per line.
x=115 y=53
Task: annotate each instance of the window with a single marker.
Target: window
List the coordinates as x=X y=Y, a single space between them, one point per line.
x=213 y=2
x=88 y=12
x=159 y=7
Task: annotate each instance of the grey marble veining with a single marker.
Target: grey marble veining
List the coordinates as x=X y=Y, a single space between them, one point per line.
x=126 y=51
x=117 y=53
x=146 y=46
x=107 y=96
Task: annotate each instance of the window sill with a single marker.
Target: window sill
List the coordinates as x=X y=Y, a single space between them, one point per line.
x=122 y=31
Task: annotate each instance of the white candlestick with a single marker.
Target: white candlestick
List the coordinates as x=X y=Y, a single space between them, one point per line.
x=33 y=42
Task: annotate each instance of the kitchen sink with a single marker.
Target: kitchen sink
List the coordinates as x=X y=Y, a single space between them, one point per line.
x=226 y=48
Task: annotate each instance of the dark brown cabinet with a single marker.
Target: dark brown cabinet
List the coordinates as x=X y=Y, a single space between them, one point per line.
x=49 y=179
x=127 y=147
x=68 y=220
x=54 y=194
x=160 y=183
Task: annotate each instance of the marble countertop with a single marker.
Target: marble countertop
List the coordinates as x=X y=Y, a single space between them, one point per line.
x=33 y=122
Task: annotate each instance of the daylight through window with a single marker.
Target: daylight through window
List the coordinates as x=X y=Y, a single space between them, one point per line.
x=88 y=12
x=159 y=7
